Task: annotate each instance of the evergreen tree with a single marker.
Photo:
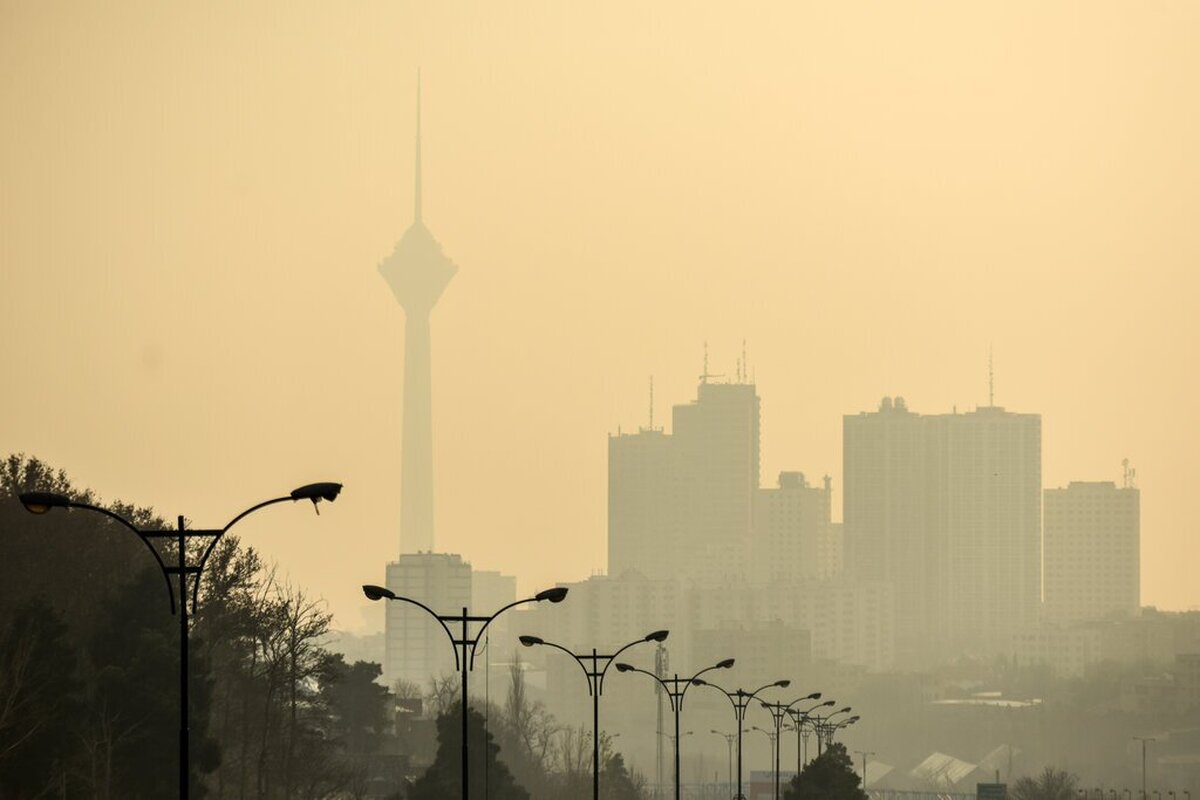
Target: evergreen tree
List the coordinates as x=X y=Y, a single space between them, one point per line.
x=443 y=779
x=829 y=776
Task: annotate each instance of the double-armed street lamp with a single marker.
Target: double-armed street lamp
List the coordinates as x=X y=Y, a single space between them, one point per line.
x=729 y=738
x=464 y=662
x=1144 y=740
x=824 y=729
x=594 y=668
x=740 y=699
x=864 y=754
x=837 y=726
x=183 y=568
x=779 y=712
x=801 y=722
x=676 y=687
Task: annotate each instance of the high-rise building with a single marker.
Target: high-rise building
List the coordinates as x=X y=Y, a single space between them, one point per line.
x=417 y=649
x=1092 y=544
x=947 y=508
x=682 y=504
x=793 y=536
x=885 y=516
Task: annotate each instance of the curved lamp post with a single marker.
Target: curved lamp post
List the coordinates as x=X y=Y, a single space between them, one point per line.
x=599 y=665
x=822 y=726
x=740 y=700
x=779 y=712
x=802 y=721
x=676 y=688
x=44 y=502
x=831 y=730
x=466 y=662
x=729 y=740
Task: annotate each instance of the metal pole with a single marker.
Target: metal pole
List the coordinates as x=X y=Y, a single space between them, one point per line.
x=778 y=736
x=678 y=703
x=740 y=717
x=466 y=769
x=184 y=769
x=729 y=779
x=595 y=727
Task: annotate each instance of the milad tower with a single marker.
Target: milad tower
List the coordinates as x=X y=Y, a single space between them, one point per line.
x=418 y=272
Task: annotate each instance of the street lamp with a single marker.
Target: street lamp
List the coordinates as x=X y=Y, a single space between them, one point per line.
x=773 y=741
x=729 y=739
x=802 y=721
x=821 y=726
x=466 y=662
x=1143 y=740
x=741 y=700
x=779 y=712
x=595 y=679
x=44 y=502
x=864 y=754
x=676 y=693
x=837 y=726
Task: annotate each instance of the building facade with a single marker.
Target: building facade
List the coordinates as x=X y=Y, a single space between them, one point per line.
x=1092 y=551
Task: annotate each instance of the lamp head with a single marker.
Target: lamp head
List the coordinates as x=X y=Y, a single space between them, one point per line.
x=814 y=696
x=378 y=593
x=317 y=492
x=623 y=667
x=726 y=664
x=657 y=636
x=42 y=502
x=700 y=682
x=842 y=710
x=853 y=719
x=530 y=641
x=555 y=595
x=827 y=703
x=783 y=684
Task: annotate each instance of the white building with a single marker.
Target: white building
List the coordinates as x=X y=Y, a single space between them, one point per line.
x=947 y=508
x=417 y=648
x=1092 y=552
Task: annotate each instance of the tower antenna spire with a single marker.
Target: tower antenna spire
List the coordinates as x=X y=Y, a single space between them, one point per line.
x=417 y=172
x=991 y=380
x=745 y=364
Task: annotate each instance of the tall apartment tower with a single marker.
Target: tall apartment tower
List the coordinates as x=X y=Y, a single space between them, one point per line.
x=947 y=509
x=681 y=505
x=793 y=536
x=415 y=646
x=1092 y=552
x=885 y=518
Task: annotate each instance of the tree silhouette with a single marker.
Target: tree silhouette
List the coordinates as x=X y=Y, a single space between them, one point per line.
x=829 y=776
x=1052 y=784
x=443 y=779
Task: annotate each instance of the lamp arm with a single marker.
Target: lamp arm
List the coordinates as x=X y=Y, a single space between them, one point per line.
x=479 y=635
x=250 y=511
x=611 y=660
x=440 y=621
x=587 y=675
x=141 y=535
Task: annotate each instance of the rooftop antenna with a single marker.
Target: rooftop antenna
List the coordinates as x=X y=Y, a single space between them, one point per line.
x=1129 y=480
x=417 y=182
x=651 y=402
x=706 y=375
x=745 y=364
x=991 y=380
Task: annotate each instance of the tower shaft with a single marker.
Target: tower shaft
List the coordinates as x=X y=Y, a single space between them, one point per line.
x=416 y=459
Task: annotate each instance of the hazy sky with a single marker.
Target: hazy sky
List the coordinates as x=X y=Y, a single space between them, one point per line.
x=194 y=199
